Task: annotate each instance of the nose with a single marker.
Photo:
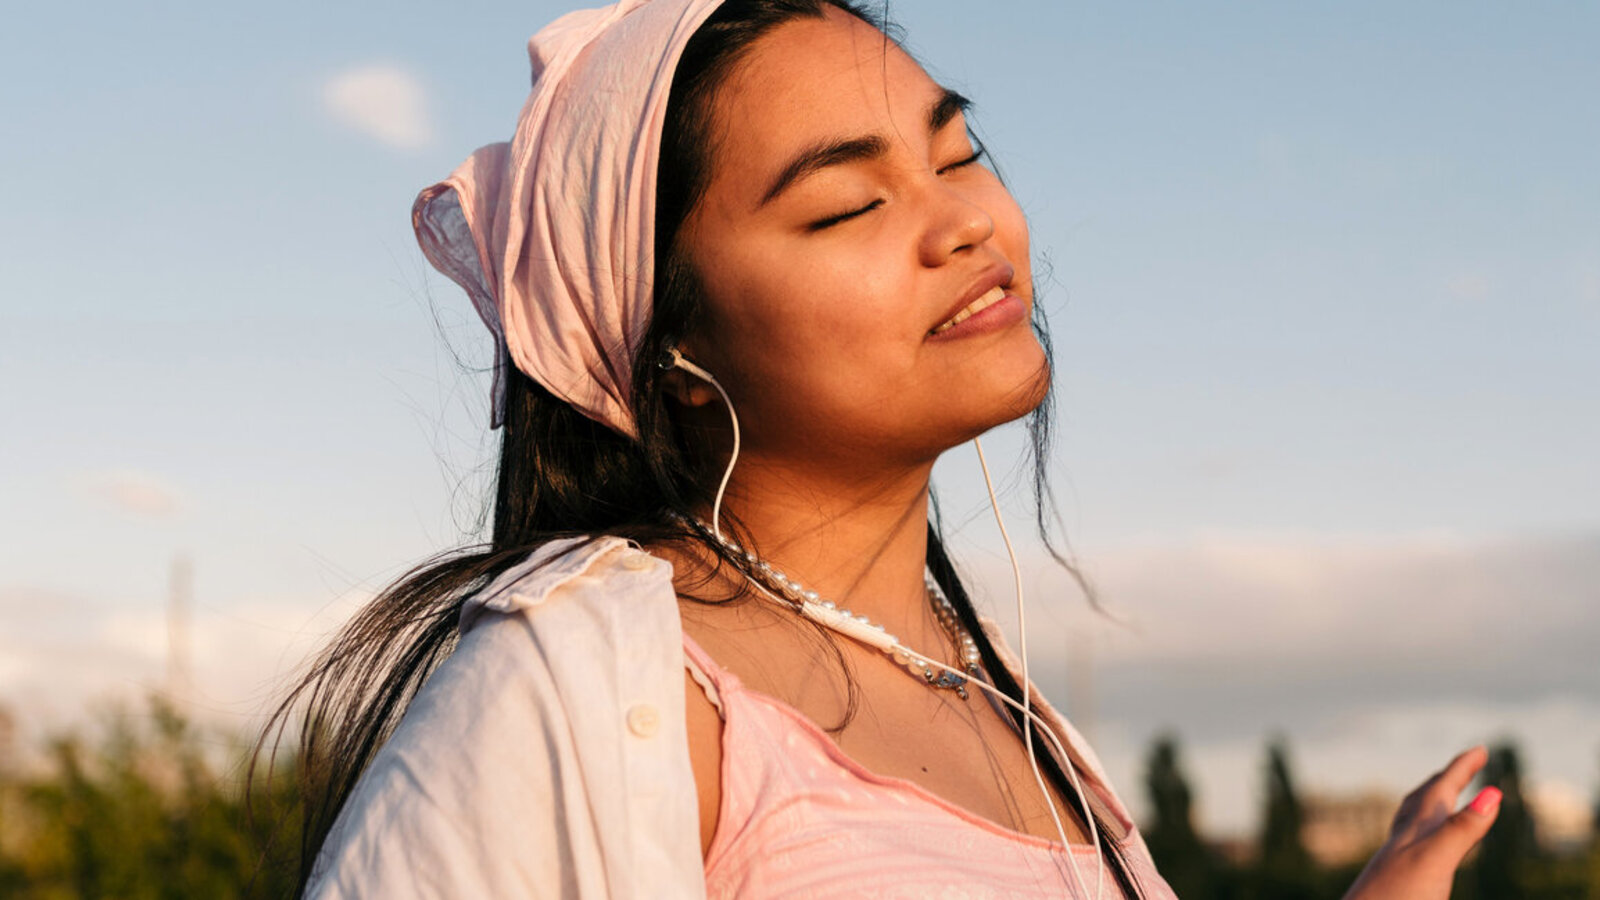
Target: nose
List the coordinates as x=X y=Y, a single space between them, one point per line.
x=955 y=223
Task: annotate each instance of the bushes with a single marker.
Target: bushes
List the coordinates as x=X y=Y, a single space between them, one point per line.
x=149 y=808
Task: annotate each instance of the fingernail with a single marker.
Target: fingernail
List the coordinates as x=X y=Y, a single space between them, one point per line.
x=1486 y=801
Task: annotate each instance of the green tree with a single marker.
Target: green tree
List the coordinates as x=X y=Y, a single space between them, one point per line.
x=1284 y=868
x=152 y=810
x=1183 y=859
x=1510 y=852
x=11 y=877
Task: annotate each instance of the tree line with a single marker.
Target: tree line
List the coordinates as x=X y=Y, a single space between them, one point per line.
x=1511 y=863
x=151 y=806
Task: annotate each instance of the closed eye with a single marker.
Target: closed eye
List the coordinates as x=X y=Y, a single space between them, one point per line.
x=831 y=221
x=963 y=163
x=843 y=217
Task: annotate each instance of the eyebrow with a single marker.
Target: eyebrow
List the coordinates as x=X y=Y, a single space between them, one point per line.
x=837 y=152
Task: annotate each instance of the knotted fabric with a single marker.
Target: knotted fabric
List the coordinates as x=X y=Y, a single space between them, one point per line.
x=552 y=234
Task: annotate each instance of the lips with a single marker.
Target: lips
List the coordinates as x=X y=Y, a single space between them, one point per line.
x=985 y=300
x=982 y=292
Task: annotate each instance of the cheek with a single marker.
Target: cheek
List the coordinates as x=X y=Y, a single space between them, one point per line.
x=826 y=300
x=809 y=347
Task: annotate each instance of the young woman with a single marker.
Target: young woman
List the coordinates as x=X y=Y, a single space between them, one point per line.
x=750 y=277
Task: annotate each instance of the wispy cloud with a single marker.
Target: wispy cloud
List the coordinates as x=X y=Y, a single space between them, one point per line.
x=1516 y=610
x=1379 y=657
x=1589 y=285
x=1469 y=286
x=382 y=101
x=133 y=492
x=62 y=653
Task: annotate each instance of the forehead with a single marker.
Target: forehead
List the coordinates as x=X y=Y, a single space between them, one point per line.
x=815 y=79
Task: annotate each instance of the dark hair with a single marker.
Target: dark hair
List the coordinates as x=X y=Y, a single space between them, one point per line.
x=562 y=474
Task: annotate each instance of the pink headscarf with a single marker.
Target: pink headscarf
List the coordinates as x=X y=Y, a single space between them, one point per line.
x=553 y=234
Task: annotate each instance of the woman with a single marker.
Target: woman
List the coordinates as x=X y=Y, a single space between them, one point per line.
x=752 y=278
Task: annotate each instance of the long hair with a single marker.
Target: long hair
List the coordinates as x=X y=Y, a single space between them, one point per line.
x=562 y=474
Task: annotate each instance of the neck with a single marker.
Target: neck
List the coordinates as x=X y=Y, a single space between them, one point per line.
x=861 y=542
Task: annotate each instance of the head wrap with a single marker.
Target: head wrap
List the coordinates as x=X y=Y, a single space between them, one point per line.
x=552 y=235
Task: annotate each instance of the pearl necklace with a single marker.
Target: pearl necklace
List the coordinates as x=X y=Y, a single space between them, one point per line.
x=810 y=604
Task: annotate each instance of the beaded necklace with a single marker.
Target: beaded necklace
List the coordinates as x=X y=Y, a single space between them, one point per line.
x=811 y=605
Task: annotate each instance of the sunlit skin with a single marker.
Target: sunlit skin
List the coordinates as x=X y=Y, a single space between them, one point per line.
x=820 y=302
x=819 y=328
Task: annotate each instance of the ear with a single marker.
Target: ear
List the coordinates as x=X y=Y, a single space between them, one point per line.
x=688 y=390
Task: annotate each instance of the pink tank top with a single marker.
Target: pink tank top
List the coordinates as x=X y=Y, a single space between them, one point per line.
x=800 y=819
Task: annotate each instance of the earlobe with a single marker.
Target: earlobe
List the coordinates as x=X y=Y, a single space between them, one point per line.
x=686 y=389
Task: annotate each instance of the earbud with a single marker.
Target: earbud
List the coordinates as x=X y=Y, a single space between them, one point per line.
x=673 y=359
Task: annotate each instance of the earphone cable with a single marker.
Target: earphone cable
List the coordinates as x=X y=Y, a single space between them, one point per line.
x=1027 y=701
x=677 y=359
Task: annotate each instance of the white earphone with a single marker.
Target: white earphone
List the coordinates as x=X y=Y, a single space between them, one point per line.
x=675 y=359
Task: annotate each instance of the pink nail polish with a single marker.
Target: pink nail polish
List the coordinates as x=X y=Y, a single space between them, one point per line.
x=1486 y=801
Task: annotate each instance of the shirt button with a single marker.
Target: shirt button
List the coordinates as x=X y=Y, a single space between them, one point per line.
x=636 y=561
x=644 y=721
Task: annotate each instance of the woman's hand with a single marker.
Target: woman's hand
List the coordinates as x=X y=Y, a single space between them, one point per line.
x=1429 y=838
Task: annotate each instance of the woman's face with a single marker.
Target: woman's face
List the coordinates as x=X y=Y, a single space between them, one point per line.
x=867 y=280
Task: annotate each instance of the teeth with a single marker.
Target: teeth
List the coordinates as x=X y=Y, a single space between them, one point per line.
x=991 y=297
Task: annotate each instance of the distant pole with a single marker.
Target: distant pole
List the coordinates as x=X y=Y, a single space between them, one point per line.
x=8 y=742
x=180 y=598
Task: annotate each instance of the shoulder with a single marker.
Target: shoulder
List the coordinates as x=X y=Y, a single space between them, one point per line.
x=593 y=617
x=517 y=768
x=588 y=620
x=600 y=569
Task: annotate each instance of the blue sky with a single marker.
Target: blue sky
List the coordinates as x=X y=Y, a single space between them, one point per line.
x=1325 y=297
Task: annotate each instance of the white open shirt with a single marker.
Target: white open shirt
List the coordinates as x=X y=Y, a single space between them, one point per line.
x=547 y=757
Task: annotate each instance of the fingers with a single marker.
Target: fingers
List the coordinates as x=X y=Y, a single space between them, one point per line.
x=1458 y=774
x=1436 y=797
x=1487 y=803
x=1467 y=826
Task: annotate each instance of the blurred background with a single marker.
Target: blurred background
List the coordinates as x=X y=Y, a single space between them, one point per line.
x=1325 y=292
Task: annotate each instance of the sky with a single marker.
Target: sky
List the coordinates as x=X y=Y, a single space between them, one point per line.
x=1324 y=286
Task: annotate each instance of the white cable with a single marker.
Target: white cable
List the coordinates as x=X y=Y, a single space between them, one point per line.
x=1025 y=707
x=681 y=362
x=1027 y=694
x=872 y=636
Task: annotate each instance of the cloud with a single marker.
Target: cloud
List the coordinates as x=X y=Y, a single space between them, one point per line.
x=1589 y=286
x=381 y=101
x=1470 y=286
x=62 y=653
x=1511 y=617
x=1378 y=657
x=135 y=493
x=1386 y=749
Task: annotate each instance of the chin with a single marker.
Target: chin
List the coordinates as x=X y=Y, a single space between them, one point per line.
x=1030 y=393
x=1025 y=395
